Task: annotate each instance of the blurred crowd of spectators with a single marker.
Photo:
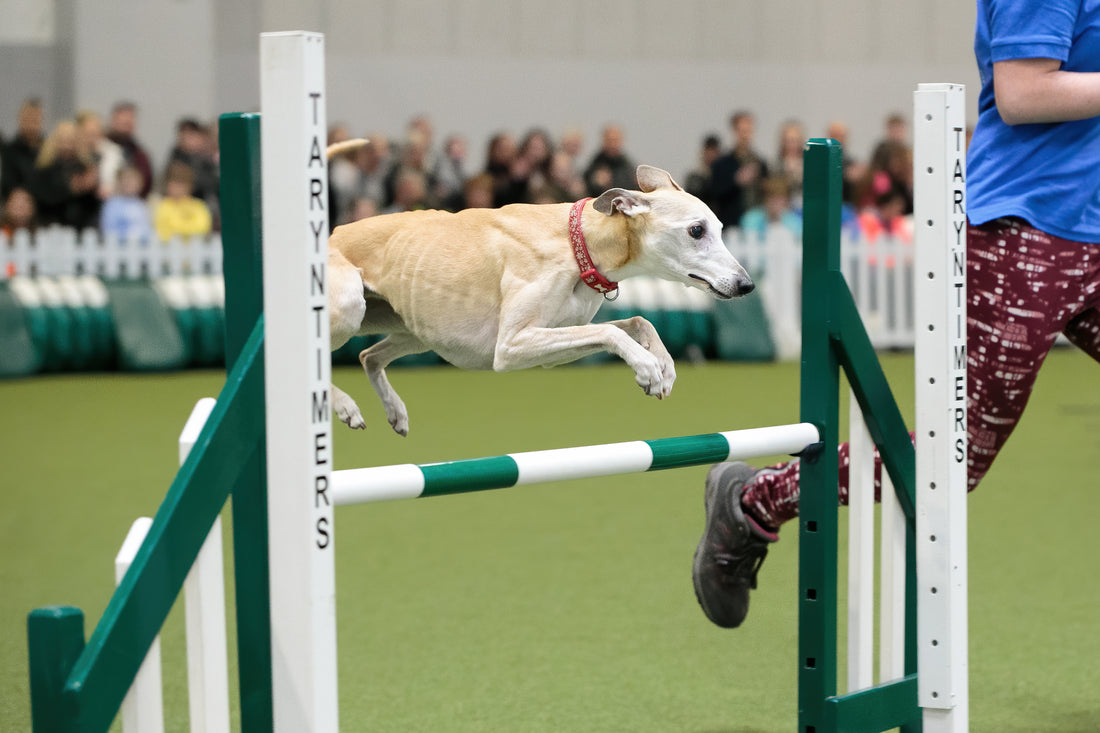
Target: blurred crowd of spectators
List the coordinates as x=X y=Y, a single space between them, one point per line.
x=87 y=172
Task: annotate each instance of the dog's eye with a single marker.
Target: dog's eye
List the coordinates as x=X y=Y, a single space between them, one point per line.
x=697 y=231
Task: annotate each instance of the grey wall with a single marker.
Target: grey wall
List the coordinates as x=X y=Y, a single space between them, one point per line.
x=668 y=71
x=157 y=53
x=35 y=56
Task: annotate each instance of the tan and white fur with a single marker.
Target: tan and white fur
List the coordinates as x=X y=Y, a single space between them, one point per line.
x=500 y=288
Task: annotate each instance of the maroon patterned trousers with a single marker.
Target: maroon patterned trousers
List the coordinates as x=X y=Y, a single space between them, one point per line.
x=1024 y=287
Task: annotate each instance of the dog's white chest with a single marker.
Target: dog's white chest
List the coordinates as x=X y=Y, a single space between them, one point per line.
x=577 y=310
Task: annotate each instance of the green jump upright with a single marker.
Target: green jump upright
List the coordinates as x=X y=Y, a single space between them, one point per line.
x=833 y=338
x=81 y=689
x=78 y=686
x=242 y=265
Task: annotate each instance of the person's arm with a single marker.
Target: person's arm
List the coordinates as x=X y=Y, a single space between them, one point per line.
x=1038 y=90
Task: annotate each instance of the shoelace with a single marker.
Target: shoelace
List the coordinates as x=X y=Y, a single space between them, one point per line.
x=742 y=564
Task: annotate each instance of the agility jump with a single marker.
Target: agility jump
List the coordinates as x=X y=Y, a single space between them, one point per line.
x=286 y=589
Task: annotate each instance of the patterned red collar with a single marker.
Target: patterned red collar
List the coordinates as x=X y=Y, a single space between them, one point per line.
x=589 y=275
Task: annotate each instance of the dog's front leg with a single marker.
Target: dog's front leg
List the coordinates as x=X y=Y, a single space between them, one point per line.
x=646 y=335
x=527 y=347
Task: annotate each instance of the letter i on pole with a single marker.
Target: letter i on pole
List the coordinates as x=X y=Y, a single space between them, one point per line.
x=298 y=377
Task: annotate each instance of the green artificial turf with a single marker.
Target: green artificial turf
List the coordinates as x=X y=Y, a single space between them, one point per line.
x=565 y=607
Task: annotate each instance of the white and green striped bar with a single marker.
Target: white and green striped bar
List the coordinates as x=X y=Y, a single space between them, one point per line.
x=410 y=481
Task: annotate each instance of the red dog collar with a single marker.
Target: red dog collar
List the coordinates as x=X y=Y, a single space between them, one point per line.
x=589 y=275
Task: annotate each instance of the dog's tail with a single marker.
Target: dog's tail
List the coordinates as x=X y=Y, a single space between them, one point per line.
x=345 y=146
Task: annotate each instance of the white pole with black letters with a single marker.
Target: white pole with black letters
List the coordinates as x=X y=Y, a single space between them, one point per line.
x=939 y=131
x=298 y=371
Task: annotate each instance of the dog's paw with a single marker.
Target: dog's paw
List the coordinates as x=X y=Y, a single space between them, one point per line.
x=347 y=411
x=400 y=425
x=661 y=388
x=668 y=377
x=397 y=416
x=655 y=376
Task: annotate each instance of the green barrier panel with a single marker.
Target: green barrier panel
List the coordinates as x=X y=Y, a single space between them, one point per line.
x=678 y=302
x=676 y=334
x=35 y=314
x=103 y=337
x=59 y=338
x=147 y=336
x=19 y=355
x=83 y=353
x=188 y=327
x=200 y=320
x=82 y=349
x=700 y=331
x=428 y=358
x=174 y=294
x=57 y=327
x=209 y=341
x=101 y=324
x=742 y=331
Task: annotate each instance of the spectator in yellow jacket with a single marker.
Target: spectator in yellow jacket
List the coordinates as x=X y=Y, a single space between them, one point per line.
x=179 y=213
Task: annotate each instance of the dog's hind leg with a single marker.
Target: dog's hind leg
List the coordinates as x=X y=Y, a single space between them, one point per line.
x=347 y=307
x=347 y=303
x=378 y=317
x=374 y=361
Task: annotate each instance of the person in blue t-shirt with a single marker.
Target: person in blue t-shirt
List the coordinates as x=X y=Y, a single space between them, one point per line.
x=1033 y=267
x=125 y=215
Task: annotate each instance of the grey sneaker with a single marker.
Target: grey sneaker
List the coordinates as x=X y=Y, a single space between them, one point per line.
x=732 y=548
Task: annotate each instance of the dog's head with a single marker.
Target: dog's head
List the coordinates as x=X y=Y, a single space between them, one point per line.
x=678 y=237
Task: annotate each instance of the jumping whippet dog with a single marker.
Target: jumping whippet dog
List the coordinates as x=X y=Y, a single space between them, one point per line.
x=518 y=286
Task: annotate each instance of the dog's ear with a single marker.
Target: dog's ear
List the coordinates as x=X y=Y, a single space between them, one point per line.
x=629 y=203
x=651 y=179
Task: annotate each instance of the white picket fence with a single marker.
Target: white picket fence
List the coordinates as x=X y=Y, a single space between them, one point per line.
x=60 y=251
x=879 y=273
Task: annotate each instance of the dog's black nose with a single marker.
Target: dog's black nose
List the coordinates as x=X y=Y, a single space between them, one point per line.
x=744 y=287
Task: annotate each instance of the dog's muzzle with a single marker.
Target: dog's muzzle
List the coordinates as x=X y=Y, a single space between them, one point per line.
x=740 y=286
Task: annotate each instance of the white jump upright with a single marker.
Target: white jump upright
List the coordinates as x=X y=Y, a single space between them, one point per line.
x=941 y=448
x=143 y=708
x=941 y=391
x=204 y=601
x=298 y=377
x=861 y=550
